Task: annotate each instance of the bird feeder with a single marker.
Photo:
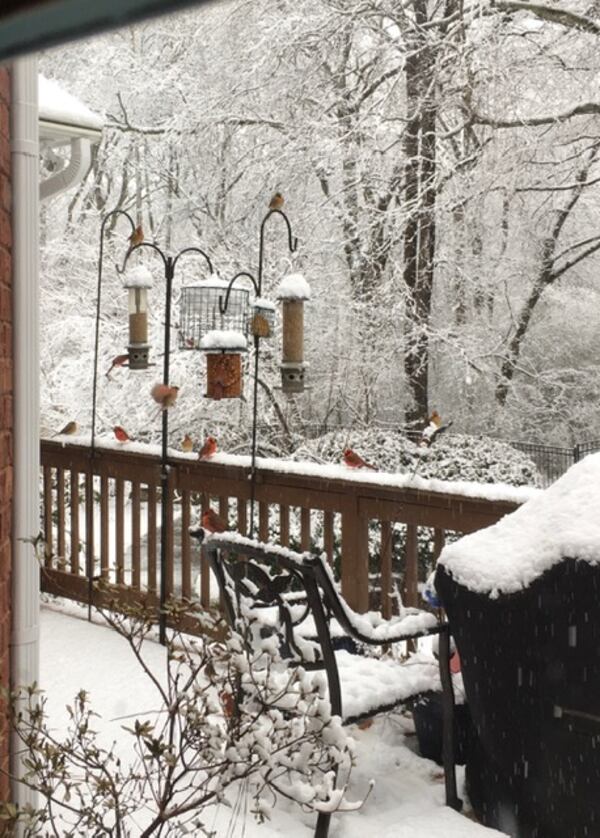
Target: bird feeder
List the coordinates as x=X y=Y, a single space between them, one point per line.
x=223 y=350
x=137 y=281
x=292 y=292
x=263 y=318
x=200 y=312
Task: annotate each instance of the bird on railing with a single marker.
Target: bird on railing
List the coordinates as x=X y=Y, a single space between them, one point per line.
x=121 y=434
x=354 y=460
x=187 y=444
x=276 y=201
x=137 y=237
x=208 y=449
x=69 y=429
x=165 y=396
x=213 y=522
x=118 y=361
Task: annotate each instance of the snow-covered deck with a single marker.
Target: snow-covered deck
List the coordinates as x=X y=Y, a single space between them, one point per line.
x=406 y=802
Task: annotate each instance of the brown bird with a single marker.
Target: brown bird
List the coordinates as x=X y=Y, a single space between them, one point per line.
x=69 y=429
x=429 y=432
x=208 y=449
x=354 y=460
x=213 y=522
x=121 y=434
x=164 y=396
x=137 y=237
x=118 y=361
x=187 y=444
x=276 y=201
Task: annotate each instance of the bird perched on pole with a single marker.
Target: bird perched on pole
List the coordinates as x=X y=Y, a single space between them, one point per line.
x=276 y=201
x=208 y=449
x=212 y=522
x=137 y=237
x=164 y=395
x=354 y=460
x=118 y=361
x=69 y=429
x=121 y=434
x=187 y=444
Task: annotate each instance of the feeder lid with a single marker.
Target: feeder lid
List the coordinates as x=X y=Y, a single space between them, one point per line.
x=223 y=340
x=262 y=302
x=138 y=277
x=211 y=282
x=293 y=287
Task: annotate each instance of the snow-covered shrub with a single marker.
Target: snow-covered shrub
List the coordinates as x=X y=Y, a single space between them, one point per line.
x=226 y=721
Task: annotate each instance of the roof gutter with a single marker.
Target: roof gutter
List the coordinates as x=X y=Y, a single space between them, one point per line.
x=26 y=362
x=75 y=170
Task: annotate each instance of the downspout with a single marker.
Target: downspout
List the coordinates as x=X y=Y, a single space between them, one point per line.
x=76 y=169
x=26 y=433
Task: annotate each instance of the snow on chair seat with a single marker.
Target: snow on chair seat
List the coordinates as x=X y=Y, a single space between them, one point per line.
x=286 y=602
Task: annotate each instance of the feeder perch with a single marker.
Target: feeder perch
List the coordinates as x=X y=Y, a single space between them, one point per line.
x=137 y=281
x=200 y=312
x=263 y=318
x=223 y=350
x=293 y=291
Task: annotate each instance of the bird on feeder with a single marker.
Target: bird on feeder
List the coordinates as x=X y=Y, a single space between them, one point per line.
x=164 y=395
x=276 y=201
x=187 y=444
x=118 y=361
x=354 y=460
x=137 y=237
x=213 y=522
x=208 y=449
x=69 y=429
x=121 y=434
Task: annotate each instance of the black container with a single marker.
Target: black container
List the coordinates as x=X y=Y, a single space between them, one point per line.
x=531 y=670
x=427 y=714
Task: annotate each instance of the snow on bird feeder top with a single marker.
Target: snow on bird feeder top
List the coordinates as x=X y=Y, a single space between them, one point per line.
x=227 y=340
x=200 y=310
x=293 y=287
x=137 y=281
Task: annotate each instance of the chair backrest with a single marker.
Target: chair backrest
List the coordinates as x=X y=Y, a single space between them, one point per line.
x=270 y=591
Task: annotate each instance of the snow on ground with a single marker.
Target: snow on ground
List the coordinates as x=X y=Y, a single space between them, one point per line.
x=406 y=802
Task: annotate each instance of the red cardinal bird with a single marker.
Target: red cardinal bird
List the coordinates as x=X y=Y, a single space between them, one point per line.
x=213 y=522
x=121 y=434
x=118 y=361
x=208 y=449
x=354 y=460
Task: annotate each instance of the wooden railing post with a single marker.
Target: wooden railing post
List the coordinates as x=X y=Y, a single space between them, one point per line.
x=355 y=559
x=410 y=593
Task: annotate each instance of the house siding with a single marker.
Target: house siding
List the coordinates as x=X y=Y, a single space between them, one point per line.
x=6 y=413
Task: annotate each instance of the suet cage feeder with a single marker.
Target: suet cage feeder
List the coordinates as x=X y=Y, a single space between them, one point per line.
x=262 y=321
x=200 y=312
x=137 y=281
x=223 y=350
x=293 y=291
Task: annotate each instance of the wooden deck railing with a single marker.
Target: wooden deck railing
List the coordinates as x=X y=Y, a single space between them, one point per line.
x=102 y=519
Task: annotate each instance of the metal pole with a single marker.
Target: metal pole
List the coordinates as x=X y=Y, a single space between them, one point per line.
x=162 y=619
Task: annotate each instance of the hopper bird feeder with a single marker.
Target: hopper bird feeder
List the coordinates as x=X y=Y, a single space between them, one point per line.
x=223 y=350
x=293 y=291
x=200 y=312
x=137 y=281
x=263 y=318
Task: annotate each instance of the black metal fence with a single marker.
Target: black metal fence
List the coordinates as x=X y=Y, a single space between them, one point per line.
x=551 y=460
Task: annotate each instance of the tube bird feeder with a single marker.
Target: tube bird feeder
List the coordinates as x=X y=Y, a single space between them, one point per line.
x=137 y=281
x=223 y=350
x=293 y=291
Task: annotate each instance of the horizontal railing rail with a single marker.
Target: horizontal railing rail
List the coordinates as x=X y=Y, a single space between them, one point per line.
x=101 y=520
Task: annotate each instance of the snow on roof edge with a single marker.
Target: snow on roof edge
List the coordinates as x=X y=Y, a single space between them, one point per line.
x=57 y=105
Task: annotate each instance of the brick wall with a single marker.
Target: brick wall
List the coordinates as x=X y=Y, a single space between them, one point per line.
x=5 y=407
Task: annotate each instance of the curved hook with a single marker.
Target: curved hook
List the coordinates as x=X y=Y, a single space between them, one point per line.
x=131 y=250
x=194 y=250
x=292 y=240
x=223 y=305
